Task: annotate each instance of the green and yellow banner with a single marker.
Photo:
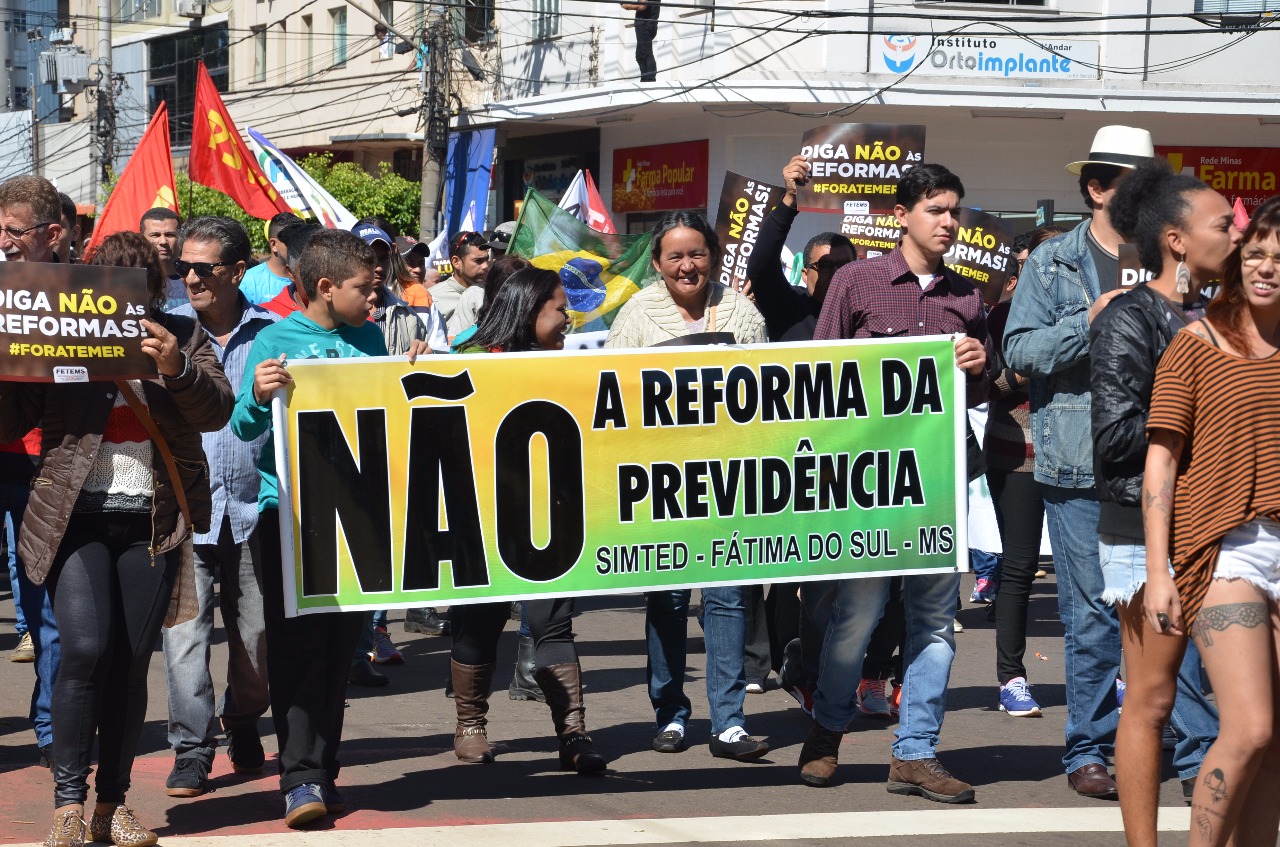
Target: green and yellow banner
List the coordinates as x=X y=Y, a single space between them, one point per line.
x=464 y=479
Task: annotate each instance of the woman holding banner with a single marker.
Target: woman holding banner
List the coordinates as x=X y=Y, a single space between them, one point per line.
x=121 y=484
x=1211 y=498
x=685 y=303
x=1184 y=234
x=528 y=313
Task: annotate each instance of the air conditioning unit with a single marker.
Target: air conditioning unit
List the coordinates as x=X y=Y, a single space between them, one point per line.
x=190 y=8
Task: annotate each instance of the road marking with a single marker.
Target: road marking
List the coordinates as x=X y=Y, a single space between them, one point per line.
x=807 y=827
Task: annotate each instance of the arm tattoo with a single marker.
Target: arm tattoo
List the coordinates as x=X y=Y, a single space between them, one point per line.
x=1217 y=618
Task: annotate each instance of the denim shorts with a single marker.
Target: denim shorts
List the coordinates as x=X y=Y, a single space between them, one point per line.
x=1124 y=568
x=1252 y=552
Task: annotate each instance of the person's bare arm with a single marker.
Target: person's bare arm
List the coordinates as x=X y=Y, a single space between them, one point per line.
x=1159 y=478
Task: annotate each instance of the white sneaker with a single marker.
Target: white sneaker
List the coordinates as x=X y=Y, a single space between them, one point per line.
x=959 y=627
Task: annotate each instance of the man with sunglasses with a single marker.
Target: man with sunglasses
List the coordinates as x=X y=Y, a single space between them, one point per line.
x=30 y=228
x=213 y=252
x=469 y=254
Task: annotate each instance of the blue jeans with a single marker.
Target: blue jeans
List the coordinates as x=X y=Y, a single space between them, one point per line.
x=985 y=564
x=848 y=611
x=1091 y=638
x=723 y=620
x=193 y=714
x=35 y=611
x=1194 y=719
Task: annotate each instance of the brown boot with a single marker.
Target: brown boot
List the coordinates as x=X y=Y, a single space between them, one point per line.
x=929 y=779
x=819 y=755
x=471 y=684
x=563 y=686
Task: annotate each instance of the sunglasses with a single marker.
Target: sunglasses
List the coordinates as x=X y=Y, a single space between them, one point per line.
x=204 y=270
x=471 y=239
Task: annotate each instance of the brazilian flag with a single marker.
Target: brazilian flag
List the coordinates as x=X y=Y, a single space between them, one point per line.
x=599 y=271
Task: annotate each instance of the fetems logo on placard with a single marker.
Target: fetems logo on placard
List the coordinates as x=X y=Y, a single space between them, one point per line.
x=899 y=52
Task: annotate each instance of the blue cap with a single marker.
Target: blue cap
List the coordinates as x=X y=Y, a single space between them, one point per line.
x=370 y=233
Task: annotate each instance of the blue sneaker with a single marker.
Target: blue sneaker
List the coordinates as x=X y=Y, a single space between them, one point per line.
x=1015 y=699
x=303 y=804
x=334 y=802
x=1120 y=687
x=984 y=591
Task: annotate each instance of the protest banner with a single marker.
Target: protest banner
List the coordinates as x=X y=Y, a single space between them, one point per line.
x=464 y=479
x=856 y=167
x=1131 y=270
x=744 y=203
x=873 y=235
x=72 y=323
x=983 y=251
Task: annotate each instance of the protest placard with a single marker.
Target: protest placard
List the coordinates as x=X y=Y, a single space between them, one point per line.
x=983 y=251
x=744 y=203
x=467 y=479
x=72 y=323
x=873 y=235
x=1130 y=267
x=856 y=167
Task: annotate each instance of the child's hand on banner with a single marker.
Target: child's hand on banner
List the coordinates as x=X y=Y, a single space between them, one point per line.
x=269 y=376
x=163 y=347
x=418 y=347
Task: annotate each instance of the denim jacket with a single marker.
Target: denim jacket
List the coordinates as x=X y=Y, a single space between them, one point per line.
x=1047 y=339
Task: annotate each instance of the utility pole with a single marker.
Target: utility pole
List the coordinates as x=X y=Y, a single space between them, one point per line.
x=106 y=102
x=435 y=118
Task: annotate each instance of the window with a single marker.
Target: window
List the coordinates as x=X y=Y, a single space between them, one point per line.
x=135 y=10
x=308 y=45
x=474 y=19
x=1236 y=7
x=546 y=18
x=171 y=73
x=382 y=31
x=259 y=53
x=339 y=20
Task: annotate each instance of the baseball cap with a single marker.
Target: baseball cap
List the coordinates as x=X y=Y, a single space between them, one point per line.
x=500 y=238
x=370 y=233
x=408 y=246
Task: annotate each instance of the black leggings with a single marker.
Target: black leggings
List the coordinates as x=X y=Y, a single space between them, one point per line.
x=110 y=599
x=477 y=627
x=646 y=32
x=1020 y=516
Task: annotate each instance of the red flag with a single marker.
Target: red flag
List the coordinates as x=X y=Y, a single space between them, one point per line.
x=598 y=216
x=220 y=159
x=1240 y=214
x=147 y=183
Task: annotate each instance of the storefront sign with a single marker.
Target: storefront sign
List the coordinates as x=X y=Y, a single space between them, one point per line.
x=465 y=479
x=856 y=167
x=72 y=323
x=663 y=177
x=1245 y=172
x=984 y=56
x=744 y=203
x=551 y=176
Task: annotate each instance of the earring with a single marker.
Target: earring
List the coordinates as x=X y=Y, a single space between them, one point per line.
x=1183 y=277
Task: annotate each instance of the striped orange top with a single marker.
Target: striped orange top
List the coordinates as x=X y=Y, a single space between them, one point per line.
x=1225 y=407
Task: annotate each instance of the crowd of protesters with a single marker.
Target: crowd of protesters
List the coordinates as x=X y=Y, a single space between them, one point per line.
x=1136 y=423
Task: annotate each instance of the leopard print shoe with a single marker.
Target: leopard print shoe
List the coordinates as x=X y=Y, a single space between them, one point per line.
x=121 y=828
x=68 y=830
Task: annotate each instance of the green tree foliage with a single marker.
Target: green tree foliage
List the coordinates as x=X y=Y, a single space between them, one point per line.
x=385 y=194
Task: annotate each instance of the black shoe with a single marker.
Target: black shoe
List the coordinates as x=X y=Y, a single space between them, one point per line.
x=244 y=748
x=515 y=610
x=744 y=749
x=669 y=741
x=362 y=673
x=46 y=756
x=425 y=621
x=448 y=684
x=189 y=778
x=1188 y=789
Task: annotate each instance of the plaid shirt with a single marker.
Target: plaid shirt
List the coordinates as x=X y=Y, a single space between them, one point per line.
x=882 y=298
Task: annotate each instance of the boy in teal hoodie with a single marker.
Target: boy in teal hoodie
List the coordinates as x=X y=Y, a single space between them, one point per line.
x=308 y=657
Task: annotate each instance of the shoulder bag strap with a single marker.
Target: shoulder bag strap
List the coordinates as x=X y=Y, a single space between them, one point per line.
x=162 y=445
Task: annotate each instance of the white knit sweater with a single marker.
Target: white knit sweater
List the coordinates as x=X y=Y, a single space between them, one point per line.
x=651 y=317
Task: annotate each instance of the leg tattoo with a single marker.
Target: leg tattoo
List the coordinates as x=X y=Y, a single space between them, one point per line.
x=1206 y=828
x=1217 y=618
x=1216 y=781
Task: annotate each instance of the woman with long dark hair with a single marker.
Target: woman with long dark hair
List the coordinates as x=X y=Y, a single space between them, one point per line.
x=1184 y=234
x=1211 y=502
x=103 y=530
x=529 y=313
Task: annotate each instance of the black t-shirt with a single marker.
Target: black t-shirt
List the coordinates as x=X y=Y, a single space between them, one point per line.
x=1108 y=266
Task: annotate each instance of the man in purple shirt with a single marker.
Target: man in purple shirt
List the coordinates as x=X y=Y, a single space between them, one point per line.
x=906 y=292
